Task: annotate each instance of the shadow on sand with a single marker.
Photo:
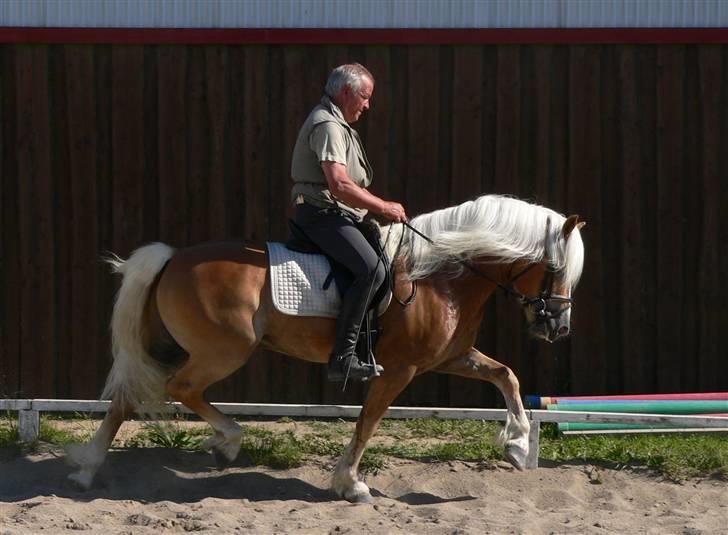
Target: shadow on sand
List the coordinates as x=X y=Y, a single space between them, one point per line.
x=162 y=474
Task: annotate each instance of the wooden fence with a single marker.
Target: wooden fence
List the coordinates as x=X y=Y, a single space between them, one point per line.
x=106 y=147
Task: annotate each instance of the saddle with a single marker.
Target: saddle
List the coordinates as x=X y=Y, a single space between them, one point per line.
x=302 y=276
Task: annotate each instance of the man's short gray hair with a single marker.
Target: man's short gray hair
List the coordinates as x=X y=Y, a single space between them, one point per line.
x=350 y=74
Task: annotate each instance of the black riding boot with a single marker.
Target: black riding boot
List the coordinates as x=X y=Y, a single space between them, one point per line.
x=343 y=361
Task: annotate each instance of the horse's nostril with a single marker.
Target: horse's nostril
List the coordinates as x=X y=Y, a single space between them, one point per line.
x=563 y=330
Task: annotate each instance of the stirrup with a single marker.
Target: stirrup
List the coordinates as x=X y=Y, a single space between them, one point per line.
x=345 y=368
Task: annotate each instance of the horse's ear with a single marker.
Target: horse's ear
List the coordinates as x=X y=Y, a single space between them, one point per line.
x=570 y=224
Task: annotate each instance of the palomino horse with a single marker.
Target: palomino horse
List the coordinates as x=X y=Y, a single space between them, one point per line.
x=189 y=318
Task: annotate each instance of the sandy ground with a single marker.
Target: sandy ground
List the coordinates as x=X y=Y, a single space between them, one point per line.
x=155 y=490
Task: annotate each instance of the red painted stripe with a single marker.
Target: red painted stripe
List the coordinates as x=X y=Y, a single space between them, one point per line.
x=404 y=36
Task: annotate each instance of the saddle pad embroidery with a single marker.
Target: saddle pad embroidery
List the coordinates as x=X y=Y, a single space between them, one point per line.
x=297 y=283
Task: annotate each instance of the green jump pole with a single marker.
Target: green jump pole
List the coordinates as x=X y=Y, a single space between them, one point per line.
x=593 y=426
x=642 y=407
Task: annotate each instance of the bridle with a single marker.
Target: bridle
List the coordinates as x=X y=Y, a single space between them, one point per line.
x=546 y=306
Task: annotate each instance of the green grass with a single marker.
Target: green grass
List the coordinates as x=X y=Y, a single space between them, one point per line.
x=675 y=456
x=8 y=432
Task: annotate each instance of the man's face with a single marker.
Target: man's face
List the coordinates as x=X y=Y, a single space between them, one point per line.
x=353 y=103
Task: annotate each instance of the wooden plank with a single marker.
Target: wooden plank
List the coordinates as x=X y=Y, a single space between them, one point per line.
x=646 y=79
x=150 y=106
x=248 y=166
x=106 y=284
x=36 y=225
x=423 y=125
x=424 y=189
x=127 y=148
x=82 y=149
x=172 y=145
x=197 y=137
x=28 y=426
x=588 y=359
x=352 y=411
x=62 y=214
x=398 y=120
x=692 y=205
x=488 y=337
x=508 y=131
x=710 y=362
x=296 y=380
x=466 y=167
x=534 y=170
x=15 y=404
x=378 y=142
x=670 y=237
x=559 y=379
x=611 y=205
x=216 y=67
x=635 y=366
x=10 y=271
x=467 y=124
x=722 y=229
x=509 y=333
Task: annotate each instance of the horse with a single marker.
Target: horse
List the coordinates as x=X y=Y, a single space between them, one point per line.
x=185 y=319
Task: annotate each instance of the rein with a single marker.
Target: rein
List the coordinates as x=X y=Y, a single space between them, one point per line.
x=539 y=303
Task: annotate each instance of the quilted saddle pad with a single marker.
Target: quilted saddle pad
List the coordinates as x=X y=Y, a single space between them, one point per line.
x=297 y=283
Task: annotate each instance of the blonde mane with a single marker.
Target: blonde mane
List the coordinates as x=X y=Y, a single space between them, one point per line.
x=492 y=226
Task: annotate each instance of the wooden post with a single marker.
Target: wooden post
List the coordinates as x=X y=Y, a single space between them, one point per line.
x=533 y=444
x=28 y=425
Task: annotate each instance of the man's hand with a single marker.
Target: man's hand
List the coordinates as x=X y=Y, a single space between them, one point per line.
x=394 y=212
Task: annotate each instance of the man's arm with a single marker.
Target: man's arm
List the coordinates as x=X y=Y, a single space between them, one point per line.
x=343 y=187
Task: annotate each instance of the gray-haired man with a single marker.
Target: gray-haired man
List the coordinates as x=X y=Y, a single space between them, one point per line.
x=330 y=174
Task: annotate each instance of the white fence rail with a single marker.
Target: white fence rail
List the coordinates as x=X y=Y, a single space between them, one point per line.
x=29 y=415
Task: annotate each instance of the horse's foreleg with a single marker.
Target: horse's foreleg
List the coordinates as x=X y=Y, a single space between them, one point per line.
x=88 y=457
x=514 y=436
x=382 y=392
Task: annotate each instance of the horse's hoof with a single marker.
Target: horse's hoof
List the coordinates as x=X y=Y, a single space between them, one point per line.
x=80 y=481
x=221 y=460
x=359 y=493
x=516 y=456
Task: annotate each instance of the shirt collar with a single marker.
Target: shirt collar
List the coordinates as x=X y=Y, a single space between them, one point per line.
x=328 y=103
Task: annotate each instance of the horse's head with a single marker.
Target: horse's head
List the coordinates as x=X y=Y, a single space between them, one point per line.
x=545 y=289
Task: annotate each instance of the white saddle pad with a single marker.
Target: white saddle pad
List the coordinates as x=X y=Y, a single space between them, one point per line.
x=297 y=283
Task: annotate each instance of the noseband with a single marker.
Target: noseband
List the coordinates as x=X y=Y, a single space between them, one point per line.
x=546 y=306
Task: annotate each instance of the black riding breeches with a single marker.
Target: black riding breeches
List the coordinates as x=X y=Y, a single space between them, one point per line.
x=340 y=239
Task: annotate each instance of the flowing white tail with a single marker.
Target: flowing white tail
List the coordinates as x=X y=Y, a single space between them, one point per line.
x=135 y=378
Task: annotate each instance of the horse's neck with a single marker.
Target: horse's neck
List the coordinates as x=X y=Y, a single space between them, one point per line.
x=467 y=292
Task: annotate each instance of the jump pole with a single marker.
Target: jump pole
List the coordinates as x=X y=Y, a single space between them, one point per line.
x=650 y=407
x=541 y=402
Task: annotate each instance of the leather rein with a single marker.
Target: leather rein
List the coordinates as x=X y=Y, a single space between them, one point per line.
x=546 y=306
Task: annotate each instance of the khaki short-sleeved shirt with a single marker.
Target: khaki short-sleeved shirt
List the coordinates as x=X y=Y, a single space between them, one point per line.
x=326 y=137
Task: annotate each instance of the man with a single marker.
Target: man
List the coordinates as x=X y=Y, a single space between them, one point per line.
x=330 y=174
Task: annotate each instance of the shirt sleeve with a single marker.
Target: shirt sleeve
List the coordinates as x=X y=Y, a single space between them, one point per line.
x=327 y=141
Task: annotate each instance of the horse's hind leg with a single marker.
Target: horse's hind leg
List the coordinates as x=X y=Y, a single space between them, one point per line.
x=514 y=437
x=188 y=386
x=382 y=392
x=88 y=457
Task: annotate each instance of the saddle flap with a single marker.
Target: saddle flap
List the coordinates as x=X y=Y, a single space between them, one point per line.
x=298 y=281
